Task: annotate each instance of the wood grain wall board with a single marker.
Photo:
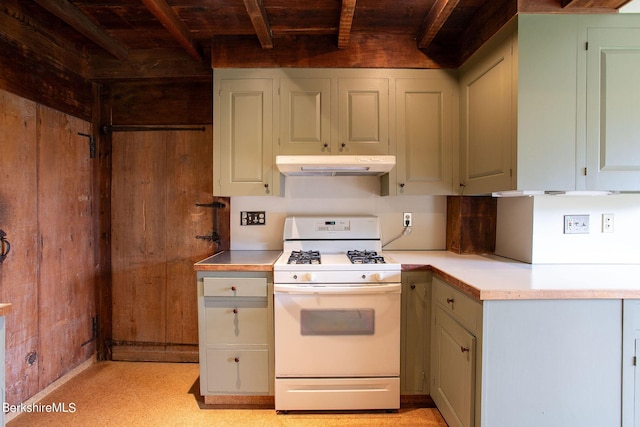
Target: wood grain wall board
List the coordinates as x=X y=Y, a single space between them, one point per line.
x=364 y=51
x=139 y=226
x=471 y=224
x=161 y=102
x=189 y=181
x=23 y=74
x=102 y=209
x=66 y=275
x=18 y=218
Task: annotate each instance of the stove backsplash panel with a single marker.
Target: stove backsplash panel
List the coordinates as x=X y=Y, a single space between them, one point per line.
x=342 y=196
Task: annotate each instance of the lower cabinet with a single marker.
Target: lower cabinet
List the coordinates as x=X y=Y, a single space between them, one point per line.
x=630 y=370
x=235 y=328
x=456 y=328
x=415 y=333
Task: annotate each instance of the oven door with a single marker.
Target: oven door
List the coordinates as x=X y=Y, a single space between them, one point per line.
x=337 y=331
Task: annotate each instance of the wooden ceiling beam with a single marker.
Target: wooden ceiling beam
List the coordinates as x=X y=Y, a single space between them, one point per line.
x=81 y=23
x=438 y=15
x=172 y=22
x=260 y=21
x=346 y=21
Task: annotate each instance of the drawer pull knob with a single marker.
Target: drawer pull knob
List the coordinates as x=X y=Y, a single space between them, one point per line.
x=450 y=300
x=233 y=288
x=237 y=359
x=413 y=286
x=235 y=311
x=464 y=349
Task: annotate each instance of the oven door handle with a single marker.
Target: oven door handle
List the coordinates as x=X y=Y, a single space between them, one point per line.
x=391 y=288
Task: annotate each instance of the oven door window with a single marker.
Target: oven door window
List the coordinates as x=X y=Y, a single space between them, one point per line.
x=337 y=322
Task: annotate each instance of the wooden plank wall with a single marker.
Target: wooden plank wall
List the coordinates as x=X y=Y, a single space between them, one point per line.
x=19 y=219
x=46 y=211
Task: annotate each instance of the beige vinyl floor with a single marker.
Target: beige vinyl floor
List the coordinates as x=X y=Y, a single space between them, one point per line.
x=167 y=394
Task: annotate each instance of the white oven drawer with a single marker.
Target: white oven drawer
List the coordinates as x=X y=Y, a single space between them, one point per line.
x=235 y=287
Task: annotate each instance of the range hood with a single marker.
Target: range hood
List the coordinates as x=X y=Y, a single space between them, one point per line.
x=335 y=165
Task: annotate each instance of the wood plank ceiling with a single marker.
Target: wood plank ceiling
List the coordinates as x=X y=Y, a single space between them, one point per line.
x=447 y=30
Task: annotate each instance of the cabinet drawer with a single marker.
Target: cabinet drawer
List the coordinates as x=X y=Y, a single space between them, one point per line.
x=245 y=323
x=461 y=307
x=235 y=287
x=237 y=371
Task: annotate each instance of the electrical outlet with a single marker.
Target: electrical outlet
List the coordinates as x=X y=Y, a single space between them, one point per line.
x=576 y=224
x=607 y=223
x=252 y=218
x=406 y=219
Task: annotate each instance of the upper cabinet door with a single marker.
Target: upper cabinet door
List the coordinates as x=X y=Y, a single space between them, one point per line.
x=486 y=117
x=363 y=116
x=305 y=125
x=613 y=127
x=424 y=136
x=245 y=133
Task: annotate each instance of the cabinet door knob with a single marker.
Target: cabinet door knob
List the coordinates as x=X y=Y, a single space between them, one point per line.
x=233 y=288
x=464 y=349
x=266 y=188
x=342 y=146
x=237 y=359
x=450 y=300
x=412 y=286
x=235 y=311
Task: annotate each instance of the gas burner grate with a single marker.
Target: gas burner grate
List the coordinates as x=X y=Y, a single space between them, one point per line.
x=365 y=257
x=304 y=257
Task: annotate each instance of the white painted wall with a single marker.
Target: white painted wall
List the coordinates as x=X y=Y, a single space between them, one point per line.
x=341 y=196
x=531 y=229
x=631 y=7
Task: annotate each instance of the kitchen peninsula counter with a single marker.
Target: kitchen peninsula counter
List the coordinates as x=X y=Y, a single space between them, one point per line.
x=239 y=261
x=490 y=277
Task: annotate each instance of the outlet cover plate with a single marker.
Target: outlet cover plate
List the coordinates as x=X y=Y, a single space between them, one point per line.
x=576 y=224
x=252 y=218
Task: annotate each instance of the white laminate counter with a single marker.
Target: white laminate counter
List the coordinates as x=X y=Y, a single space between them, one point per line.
x=490 y=277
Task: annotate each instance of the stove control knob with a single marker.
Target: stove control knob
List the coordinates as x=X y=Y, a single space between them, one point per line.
x=307 y=277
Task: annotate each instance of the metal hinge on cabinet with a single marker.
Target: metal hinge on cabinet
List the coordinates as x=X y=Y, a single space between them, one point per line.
x=586 y=46
x=584 y=171
x=635 y=360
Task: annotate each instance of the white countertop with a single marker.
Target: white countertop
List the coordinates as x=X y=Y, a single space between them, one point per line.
x=490 y=277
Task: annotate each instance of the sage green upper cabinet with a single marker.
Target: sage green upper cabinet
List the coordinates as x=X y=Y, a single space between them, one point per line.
x=540 y=111
x=363 y=116
x=305 y=116
x=486 y=119
x=613 y=111
x=243 y=156
x=425 y=129
x=323 y=113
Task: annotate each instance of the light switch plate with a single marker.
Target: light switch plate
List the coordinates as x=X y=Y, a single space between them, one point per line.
x=576 y=224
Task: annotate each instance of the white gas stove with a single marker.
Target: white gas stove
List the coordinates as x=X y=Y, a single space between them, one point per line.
x=336 y=303
x=325 y=250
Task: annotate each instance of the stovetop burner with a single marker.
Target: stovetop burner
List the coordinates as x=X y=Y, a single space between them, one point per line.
x=304 y=257
x=365 y=257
